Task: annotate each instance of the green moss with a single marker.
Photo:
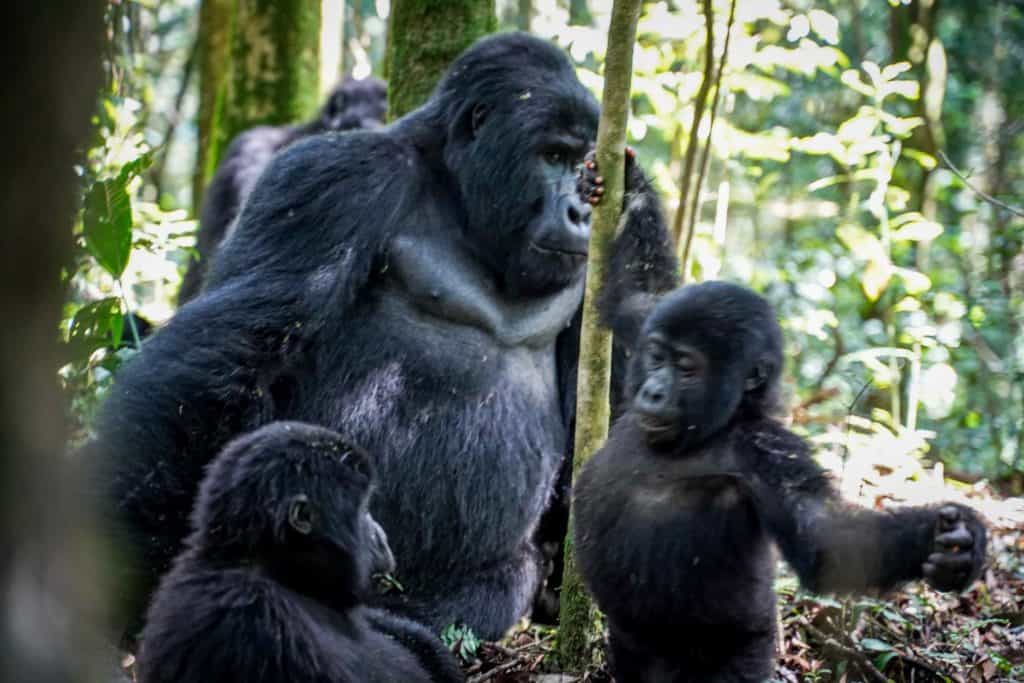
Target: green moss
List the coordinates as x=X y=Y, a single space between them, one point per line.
x=275 y=52
x=424 y=36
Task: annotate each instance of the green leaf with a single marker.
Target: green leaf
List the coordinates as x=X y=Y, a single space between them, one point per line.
x=875 y=645
x=918 y=231
x=135 y=167
x=882 y=660
x=875 y=279
x=107 y=225
x=94 y=326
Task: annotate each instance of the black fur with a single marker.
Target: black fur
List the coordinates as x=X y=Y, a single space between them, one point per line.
x=272 y=583
x=416 y=288
x=353 y=104
x=677 y=513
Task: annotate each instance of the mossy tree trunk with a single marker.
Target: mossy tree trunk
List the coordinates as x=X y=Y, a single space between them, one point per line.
x=592 y=410
x=424 y=36
x=213 y=55
x=275 y=61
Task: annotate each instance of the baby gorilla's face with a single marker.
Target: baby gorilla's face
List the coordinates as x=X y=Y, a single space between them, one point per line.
x=670 y=402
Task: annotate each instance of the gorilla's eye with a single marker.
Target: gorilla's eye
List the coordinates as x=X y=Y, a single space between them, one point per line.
x=555 y=157
x=655 y=355
x=686 y=364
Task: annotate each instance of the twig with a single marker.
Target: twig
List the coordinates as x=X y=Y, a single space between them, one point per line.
x=501 y=668
x=691 y=215
x=981 y=193
x=858 y=657
x=698 y=114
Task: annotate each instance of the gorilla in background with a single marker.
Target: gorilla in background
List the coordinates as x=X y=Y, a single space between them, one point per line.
x=677 y=513
x=353 y=104
x=272 y=584
x=418 y=289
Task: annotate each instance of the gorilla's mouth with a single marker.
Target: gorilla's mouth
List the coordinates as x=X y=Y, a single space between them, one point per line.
x=658 y=430
x=551 y=250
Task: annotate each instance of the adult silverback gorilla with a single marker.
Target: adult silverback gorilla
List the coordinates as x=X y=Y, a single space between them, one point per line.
x=352 y=104
x=416 y=288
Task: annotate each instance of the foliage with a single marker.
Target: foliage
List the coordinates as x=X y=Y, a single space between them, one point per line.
x=128 y=246
x=822 y=194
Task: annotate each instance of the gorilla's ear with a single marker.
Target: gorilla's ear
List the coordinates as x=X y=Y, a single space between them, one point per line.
x=300 y=515
x=480 y=112
x=758 y=375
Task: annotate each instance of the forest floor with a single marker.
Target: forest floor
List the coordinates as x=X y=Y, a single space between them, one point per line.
x=916 y=635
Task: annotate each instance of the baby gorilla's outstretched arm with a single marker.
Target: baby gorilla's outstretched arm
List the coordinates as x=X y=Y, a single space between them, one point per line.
x=835 y=547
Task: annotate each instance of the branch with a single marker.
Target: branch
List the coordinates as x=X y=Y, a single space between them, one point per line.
x=984 y=195
x=858 y=657
x=691 y=226
x=698 y=114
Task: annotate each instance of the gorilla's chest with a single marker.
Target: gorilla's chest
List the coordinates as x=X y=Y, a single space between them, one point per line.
x=455 y=390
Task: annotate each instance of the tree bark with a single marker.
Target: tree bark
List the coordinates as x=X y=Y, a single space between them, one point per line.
x=275 y=57
x=593 y=382
x=424 y=37
x=49 y=567
x=213 y=54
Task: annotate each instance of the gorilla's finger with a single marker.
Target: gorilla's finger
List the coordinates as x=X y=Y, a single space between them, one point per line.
x=956 y=539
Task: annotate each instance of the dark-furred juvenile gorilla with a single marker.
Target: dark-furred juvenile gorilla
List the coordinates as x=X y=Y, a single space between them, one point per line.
x=676 y=514
x=353 y=104
x=418 y=289
x=271 y=586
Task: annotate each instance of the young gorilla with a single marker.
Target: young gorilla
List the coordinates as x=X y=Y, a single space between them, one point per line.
x=271 y=586
x=676 y=514
x=352 y=105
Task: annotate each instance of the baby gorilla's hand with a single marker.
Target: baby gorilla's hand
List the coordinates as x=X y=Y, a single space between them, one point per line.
x=590 y=184
x=959 y=549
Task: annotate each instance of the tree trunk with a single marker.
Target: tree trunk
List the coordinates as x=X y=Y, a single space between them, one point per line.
x=275 y=57
x=214 y=40
x=424 y=37
x=332 y=45
x=49 y=578
x=592 y=410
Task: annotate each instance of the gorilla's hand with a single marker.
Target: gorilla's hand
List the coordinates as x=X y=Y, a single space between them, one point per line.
x=590 y=184
x=959 y=549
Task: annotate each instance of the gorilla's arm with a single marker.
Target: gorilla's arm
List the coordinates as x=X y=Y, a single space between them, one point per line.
x=215 y=370
x=642 y=265
x=835 y=547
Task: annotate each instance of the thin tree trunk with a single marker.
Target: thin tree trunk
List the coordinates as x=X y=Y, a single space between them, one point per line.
x=424 y=37
x=213 y=54
x=332 y=40
x=694 y=210
x=592 y=410
x=275 y=57
x=699 y=105
x=49 y=569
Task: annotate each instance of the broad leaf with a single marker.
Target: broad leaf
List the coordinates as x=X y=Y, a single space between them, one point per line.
x=107 y=225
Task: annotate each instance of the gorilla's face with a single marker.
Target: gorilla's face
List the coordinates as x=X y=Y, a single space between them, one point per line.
x=707 y=353
x=355 y=104
x=520 y=123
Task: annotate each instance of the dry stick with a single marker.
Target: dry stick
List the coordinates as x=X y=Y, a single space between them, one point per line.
x=698 y=114
x=691 y=226
x=987 y=197
x=859 y=658
x=594 y=374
